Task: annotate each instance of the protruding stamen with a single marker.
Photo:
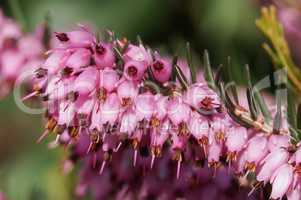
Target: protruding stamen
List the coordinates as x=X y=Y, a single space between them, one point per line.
x=30 y=95
x=45 y=133
x=135 y=157
x=90 y=147
x=152 y=161
x=179 y=167
x=102 y=167
x=118 y=147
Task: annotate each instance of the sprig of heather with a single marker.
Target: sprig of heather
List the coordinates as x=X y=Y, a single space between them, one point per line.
x=19 y=52
x=106 y=97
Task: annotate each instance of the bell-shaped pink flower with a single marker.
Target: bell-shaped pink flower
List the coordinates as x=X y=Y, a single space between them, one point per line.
x=108 y=79
x=79 y=38
x=162 y=68
x=30 y=46
x=281 y=181
x=87 y=81
x=178 y=111
x=214 y=153
x=110 y=109
x=104 y=55
x=256 y=149
x=81 y=57
x=127 y=92
x=278 y=141
x=271 y=163
x=128 y=122
x=145 y=106
x=201 y=96
x=11 y=63
x=198 y=126
x=134 y=70
x=138 y=54
x=56 y=61
x=236 y=138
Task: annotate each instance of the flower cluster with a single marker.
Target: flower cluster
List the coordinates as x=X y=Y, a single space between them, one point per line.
x=106 y=99
x=18 y=52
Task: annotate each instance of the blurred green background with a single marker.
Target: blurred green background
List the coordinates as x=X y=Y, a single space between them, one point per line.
x=224 y=27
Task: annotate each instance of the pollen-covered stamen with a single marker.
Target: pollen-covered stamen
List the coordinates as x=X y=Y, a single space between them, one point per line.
x=231 y=156
x=101 y=94
x=50 y=125
x=158 y=65
x=63 y=37
x=59 y=129
x=37 y=90
x=207 y=103
x=177 y=156
x=250 y=166
x=126 y=102
x=94 y=141
x=156 y=151
x=220 y=136
x=107 y=156
x=204 y=141
x=132 y=71
x=135 y=144
x=183 y=129
x=154 y=122
x=73 y=131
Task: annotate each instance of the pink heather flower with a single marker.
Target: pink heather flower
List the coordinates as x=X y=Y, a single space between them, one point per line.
x=127 y=92
x=109 y=111
x=198 y=126
x=9 y=31
x=87 y=81
x=80 y=58
x=30 y=46
x=257 y=149
x=236 y=138
x=56 y=61
x=278 y=141
x=214 y=153
x=11 y=64
x=178 y=111
x=138 y=54
x=134 y=70
x=79 y=38
x=145 y=106
x=108 y=79
x=128 y=122
x=271 y=163
x=162 y=68
x=201 y=96
x=96 y=119
x=281 y=181
x=104 y=55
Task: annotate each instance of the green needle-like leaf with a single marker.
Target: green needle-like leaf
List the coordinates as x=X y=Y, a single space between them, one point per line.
x=190 y=63
x=208 y=75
